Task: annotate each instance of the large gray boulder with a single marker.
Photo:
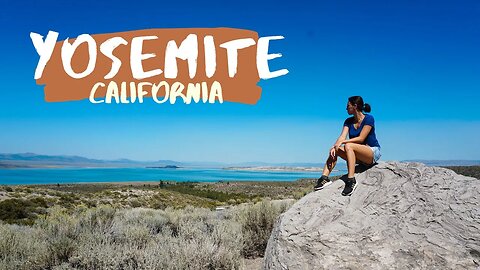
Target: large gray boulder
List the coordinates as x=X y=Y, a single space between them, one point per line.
x=401 y=216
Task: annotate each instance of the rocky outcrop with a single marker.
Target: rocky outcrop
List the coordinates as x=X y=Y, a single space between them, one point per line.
x=401 y=216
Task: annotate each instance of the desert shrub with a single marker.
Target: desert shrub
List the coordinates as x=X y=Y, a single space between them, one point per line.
x=61 y=230
x=99 y=218
x=96 y=250
x=201 y=252
x=257 y=222
x=22 y=247
x=138 y=238
x=39 y=202
x=135 y=203
x=7 y=188
x=130 y=228
x=66 y=200
x=153 y=220
x=89 y=203
x=156 y=203
x=472 y=171
x=190 y=188
x=144 y=238
x=201 y=241
x=17 y=211
x=21 y=211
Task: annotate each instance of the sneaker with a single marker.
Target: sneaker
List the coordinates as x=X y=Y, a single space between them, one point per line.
x=350 y=185
x=322 y=182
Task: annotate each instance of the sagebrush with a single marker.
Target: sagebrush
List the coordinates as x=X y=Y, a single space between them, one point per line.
x=139 y=238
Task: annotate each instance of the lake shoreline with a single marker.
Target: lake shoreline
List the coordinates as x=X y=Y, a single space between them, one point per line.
x=114 y=175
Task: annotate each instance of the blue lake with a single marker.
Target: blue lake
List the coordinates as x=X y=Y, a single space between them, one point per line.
x=90 y=175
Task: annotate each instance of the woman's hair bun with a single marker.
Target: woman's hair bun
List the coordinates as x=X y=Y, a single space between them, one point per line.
x=358 y=100
x=367 y=108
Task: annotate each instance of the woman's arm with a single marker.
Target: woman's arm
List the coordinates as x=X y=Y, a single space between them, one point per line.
x=342 y=136
x=361 y=138
x=339 y=141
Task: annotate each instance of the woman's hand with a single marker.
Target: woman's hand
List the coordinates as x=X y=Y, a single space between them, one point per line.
x=334 y=149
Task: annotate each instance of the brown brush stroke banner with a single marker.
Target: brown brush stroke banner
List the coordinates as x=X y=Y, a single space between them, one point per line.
x=242 y=88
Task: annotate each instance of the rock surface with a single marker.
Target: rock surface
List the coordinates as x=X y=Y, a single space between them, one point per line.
x=401 y=216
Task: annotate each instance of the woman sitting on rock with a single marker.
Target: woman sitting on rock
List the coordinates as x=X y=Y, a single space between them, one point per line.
x=361 y=147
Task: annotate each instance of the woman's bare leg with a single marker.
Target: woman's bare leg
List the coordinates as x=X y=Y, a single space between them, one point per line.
x=354 y=152
x=332 y=161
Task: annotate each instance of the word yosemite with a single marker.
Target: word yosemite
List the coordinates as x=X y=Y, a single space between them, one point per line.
x=187 y=50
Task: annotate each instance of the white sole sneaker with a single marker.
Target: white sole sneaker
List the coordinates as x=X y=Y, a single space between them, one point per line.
x=322 y=187
x=353 y=189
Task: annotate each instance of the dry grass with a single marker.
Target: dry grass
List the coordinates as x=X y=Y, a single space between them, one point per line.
x=109 y=238
x=140 y=225
x=24 y=204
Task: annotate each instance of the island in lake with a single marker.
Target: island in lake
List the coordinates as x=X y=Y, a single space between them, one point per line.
x=163 y=167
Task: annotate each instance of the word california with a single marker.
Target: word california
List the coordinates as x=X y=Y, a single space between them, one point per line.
x=193 y=65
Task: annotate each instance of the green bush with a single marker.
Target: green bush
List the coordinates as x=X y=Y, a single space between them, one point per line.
x=17 y=211
x=39 y=202
x=7 y=189
x=472 y=171
x=190 y=188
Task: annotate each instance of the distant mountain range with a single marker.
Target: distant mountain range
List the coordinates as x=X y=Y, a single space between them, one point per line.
x=447 y=162
x=32 y=160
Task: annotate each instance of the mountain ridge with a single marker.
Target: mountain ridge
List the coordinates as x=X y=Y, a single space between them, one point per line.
x=33 y=160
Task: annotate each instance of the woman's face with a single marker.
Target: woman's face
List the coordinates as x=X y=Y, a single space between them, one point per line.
x=351 y=108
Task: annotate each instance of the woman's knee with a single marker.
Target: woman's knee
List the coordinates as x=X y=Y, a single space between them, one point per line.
x=348 y=147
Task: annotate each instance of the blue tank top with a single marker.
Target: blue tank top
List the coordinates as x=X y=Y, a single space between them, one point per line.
x=371 y=139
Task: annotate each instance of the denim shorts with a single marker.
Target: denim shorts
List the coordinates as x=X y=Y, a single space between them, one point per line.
x=376 y=153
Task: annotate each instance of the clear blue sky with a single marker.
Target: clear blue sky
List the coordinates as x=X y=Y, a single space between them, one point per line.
x=416 y=62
